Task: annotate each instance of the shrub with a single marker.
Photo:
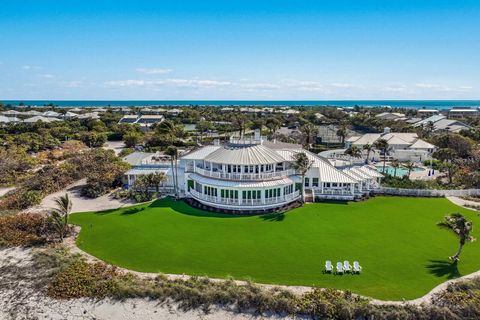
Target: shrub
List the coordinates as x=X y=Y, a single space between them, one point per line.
x=23 y=229
x=82 y=279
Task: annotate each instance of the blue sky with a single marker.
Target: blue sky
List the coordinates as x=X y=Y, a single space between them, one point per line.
x=275 y=49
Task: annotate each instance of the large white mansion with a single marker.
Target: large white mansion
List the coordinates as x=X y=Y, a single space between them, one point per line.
x=254 y=175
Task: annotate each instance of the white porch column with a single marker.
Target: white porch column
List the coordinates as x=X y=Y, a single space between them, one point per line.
x=262 y=195
x=352 y=188
x=240 y=196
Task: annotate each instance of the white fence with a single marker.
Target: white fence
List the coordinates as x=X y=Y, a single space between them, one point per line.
x=426 y=192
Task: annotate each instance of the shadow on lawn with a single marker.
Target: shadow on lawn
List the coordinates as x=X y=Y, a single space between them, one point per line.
x=181 y=207
x=273 y=217
x=442 y=268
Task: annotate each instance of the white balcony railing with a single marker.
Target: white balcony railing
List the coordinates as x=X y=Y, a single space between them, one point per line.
x=242 y=176
x=244 y=202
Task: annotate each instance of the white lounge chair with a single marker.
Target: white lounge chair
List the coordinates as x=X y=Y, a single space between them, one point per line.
x=339 y=269
x=328 y=266
x=346 y=266
x=356 y=267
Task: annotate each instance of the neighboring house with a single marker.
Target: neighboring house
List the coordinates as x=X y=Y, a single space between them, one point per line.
x=89 y=115
x=460 y=113
x=4 y=120
x=143 y=163
x=51 y=114
x=11 y=113
x=441 y=123
x=423 y=113
x=392 y=116
x=258 y=175
x=41 y=119
x=174 y=112
x=70 y=115
x=142 y=120
x=402 y=146
x=32 y=113
x=449 y=125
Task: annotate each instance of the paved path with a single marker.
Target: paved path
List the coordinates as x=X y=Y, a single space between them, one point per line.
x=462 y=202
x=80 y=203
x=116 y=146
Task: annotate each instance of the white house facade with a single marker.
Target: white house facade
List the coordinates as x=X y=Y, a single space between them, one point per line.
x=258 y=176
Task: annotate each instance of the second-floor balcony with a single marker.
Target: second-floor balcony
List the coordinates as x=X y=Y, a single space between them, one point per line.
x=241 y=176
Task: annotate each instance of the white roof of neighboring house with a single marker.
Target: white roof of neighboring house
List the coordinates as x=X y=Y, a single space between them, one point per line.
x=41 y=119
x=69 y=114
x=11 y=112
x=414 y=120
x=75 y=110
x=390 y=115
x=400 y=137
x=99 y=110
x=174 y=111
x=368 y=138
x=140 y=171
x=135 y=158
x=421 y=144
x=51 y=114
x=433 y=119
x=90 y=115
x=251 y=155
x=447 y=124
x=428 y=111
x=291 y=111
x=4 y=119
x=464 y=110
x=32 y=113
x=152 y=116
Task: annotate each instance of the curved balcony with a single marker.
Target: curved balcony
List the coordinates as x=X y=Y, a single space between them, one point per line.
x=246 y=203
x=243 y=176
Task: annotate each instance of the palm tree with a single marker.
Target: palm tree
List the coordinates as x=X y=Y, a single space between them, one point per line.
x=369 y=148
x=170 y=131
x=154 y=179
x=342 y=133
x=302 y=164
x=308 y=131
x=409 y=166
x=354 y=152
x=461 y=227
x=382 y=145
x=395 y=165
x=172 y=151
x=59 y=216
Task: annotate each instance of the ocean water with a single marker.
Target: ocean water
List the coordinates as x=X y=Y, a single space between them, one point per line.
x=418 y=104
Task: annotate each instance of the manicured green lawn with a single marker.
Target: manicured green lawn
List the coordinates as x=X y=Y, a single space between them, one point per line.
x=402 y=251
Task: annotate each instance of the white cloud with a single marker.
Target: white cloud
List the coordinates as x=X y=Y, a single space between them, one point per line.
x=343 y=85
x=260 y=86
x=29 y=67
x=442 y=88
x=154 y=70
x=47 y=75
x=191 y=83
